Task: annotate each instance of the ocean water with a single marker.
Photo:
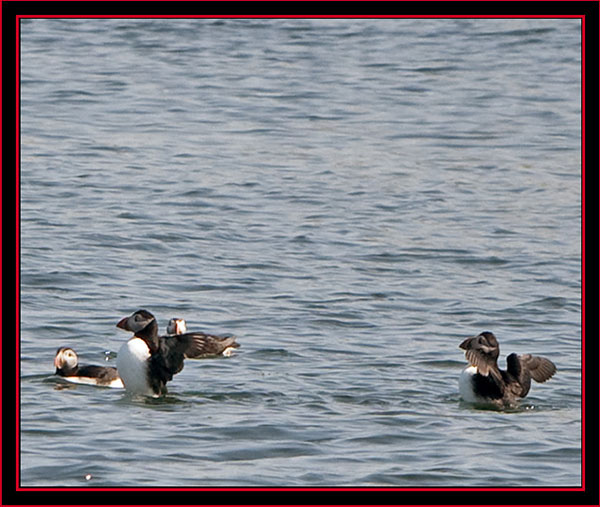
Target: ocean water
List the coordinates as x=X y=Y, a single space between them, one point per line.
x=350 y=198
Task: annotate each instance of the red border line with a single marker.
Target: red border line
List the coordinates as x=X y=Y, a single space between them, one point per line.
x=283 y=16
x=582 y=252
x=263 y=489
x=18 y=246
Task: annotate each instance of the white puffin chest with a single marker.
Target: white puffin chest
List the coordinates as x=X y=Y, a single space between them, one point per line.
x=465 y=385
x=132 y=364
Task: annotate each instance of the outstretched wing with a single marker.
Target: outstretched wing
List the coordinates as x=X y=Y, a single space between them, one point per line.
x=540 y=368
x=173 y=350
x=525 y=367
x=203 y=345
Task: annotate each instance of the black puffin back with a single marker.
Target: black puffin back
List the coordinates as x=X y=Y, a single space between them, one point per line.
x=488 y=386
x=104 y=374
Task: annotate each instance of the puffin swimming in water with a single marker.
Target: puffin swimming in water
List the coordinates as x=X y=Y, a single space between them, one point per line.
x=67 y=366
x=147 y=361
x=214 y=345
x=484 y=382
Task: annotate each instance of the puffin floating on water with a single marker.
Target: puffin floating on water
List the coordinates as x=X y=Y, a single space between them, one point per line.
x=68 y=367
x=484 y=382
x=147 y=361
x=215 y=345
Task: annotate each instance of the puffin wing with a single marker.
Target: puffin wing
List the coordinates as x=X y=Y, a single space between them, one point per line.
x=525 y=367
x=519 y=375
x=202 y=344
x=540 y=368
x=170 y=359
x=481 y=356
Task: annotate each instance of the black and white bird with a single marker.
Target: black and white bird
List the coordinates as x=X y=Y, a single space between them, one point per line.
x=214 y=345
x=483 y=382
x=67 y=366
x=147 y=361
x=176 y=326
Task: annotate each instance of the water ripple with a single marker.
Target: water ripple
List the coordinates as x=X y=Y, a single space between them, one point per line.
x=349 y=227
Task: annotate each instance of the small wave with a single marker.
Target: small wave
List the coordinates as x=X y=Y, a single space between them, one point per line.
x=273 y=353
x=550 y=302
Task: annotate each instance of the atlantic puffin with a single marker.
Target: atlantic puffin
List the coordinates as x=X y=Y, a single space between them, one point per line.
x=483 y=382
x=147 y=361
x=67 y=366
x=215 y=345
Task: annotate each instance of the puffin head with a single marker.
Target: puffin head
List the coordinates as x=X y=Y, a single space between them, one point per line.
x=176 y=326
x=140 y=323
x=65 y=359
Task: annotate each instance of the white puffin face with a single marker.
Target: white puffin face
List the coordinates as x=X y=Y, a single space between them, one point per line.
x=66 y=357
x=176 y=326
